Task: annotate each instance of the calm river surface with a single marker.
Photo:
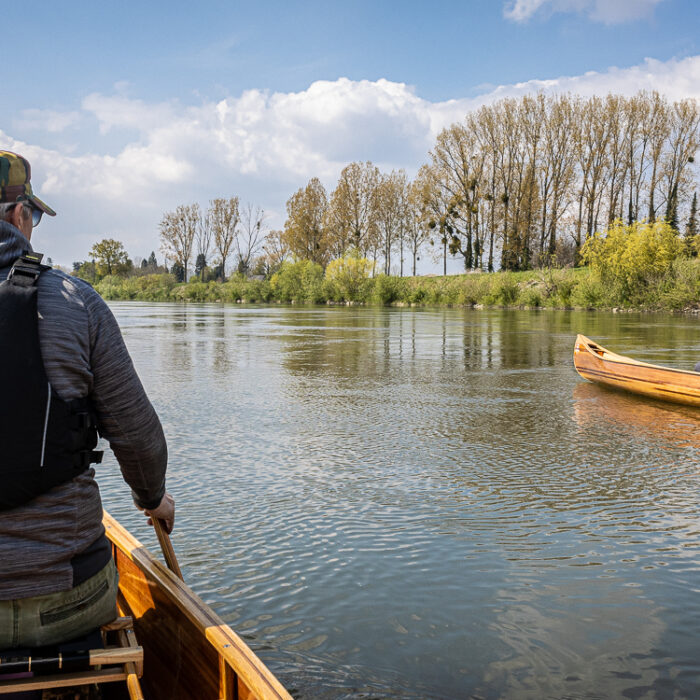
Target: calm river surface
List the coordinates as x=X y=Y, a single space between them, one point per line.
x=410 y=503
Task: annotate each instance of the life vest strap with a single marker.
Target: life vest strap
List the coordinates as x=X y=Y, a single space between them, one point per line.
x=26 y=270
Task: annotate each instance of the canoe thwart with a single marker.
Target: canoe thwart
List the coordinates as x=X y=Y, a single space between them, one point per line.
x=61 y=668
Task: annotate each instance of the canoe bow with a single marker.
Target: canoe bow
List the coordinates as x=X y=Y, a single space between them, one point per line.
x=596 y=364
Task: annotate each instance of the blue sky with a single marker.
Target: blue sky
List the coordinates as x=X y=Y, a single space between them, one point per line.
x=128 y=109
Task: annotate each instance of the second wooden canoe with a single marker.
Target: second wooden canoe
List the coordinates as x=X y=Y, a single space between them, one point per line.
x=189 y=652
x=595 y=363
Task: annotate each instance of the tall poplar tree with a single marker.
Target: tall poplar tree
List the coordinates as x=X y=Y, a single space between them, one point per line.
x=691 y=229
x=305 y=233
x=177 y=233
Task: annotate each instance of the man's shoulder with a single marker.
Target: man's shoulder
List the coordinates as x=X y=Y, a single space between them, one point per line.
x=59 y=290
x=68 y=284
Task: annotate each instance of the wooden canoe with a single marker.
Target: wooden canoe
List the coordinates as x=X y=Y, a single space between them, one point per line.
x=599 y=365
x=189 y=652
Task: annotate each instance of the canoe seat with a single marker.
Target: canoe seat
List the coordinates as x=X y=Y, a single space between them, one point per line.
x=106 y=655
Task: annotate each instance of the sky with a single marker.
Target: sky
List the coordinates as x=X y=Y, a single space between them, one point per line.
x=128 y=109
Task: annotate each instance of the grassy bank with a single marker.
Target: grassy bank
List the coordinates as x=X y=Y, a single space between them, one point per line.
x=676 y=290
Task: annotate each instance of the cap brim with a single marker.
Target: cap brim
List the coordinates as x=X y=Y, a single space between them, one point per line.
x=41 y=205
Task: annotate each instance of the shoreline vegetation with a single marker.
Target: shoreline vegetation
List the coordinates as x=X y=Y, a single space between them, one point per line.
x=642 y=267
x=555 y=289
x=559 y=202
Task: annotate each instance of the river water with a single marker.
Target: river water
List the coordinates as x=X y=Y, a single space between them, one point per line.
x=413 y=503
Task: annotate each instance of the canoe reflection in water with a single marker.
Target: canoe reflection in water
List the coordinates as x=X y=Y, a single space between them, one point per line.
x=595 y=405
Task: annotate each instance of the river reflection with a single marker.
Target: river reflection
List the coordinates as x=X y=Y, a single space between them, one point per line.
x=430 y=503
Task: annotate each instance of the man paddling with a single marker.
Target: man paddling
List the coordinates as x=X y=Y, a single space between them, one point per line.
x=65 y=374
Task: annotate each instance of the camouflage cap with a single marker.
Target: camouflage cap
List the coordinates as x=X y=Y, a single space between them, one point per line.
x=15 y=174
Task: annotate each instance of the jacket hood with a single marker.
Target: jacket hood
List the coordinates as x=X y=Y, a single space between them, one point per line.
x=12 y=244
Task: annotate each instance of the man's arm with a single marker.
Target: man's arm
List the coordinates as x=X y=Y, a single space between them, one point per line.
x=125 y=416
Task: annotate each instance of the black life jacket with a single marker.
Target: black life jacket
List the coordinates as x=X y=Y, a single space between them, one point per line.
x=44 y=441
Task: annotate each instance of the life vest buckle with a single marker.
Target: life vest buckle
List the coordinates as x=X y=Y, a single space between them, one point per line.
x=26 y=270
x=85 y=458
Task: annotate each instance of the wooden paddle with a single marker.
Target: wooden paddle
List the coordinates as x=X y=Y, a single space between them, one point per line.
x=167 y=546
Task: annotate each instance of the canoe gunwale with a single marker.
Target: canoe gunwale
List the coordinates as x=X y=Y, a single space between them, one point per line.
x=232 y=651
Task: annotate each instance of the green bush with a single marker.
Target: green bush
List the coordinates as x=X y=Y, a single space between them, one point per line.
x=233 y=289
x=155 y=287
x=386 y=290
x=531 y=296
x=416 y=293
x=347 y=278
x=258 y=291
x=565 y=290
x=298 y=281
x=681 y=289
x=506 y=290
x=312 y=283
x=590 y=292
x=474 y=289
x=198 y=291
x=631 y=259
x=286 y=283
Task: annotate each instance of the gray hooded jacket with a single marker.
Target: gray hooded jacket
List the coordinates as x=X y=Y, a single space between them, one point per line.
x=84 y=355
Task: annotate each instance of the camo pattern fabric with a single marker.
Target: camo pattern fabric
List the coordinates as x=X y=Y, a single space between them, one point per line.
x=15 y=176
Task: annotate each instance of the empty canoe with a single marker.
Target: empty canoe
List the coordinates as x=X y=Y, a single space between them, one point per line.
x=189 y=652
x=595 y=363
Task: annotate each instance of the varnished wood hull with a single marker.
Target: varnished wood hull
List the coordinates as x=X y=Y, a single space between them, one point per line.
x=599 y=365
x=189 y=652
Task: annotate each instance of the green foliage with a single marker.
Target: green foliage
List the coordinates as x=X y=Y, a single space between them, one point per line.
x=178 y=271
x=507 y=290
x=197 y=291
x=143 y=288
x=565 y=290
x=312 y=281
x=286 y=283
x=386 y=290
x=681 y=289
x=298 y=282
x=416 y=293
x=632 y=258
x=234 y=289
x=303 y=282
x=531 y=296
x=590 y=292
x=110 y=258
x=473 y=289
x=86 y=271
x=346 y=278
x=556 y=285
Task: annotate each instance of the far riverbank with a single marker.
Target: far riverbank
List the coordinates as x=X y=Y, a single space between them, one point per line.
x=677 y=290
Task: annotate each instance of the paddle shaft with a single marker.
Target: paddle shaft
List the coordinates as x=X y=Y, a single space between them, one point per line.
x=167 y=547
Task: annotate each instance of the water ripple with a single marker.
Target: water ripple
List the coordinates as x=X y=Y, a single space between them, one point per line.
x=429 y=504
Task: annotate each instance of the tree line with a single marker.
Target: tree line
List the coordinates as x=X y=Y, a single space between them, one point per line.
x=515 y=185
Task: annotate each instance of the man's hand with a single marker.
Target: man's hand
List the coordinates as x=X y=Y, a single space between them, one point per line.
x=165 y=512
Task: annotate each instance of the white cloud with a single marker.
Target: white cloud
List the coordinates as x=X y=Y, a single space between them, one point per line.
x=606 y=11
x=677 y=79
x=121 y=112
x=262 y=147
x=49 y=120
